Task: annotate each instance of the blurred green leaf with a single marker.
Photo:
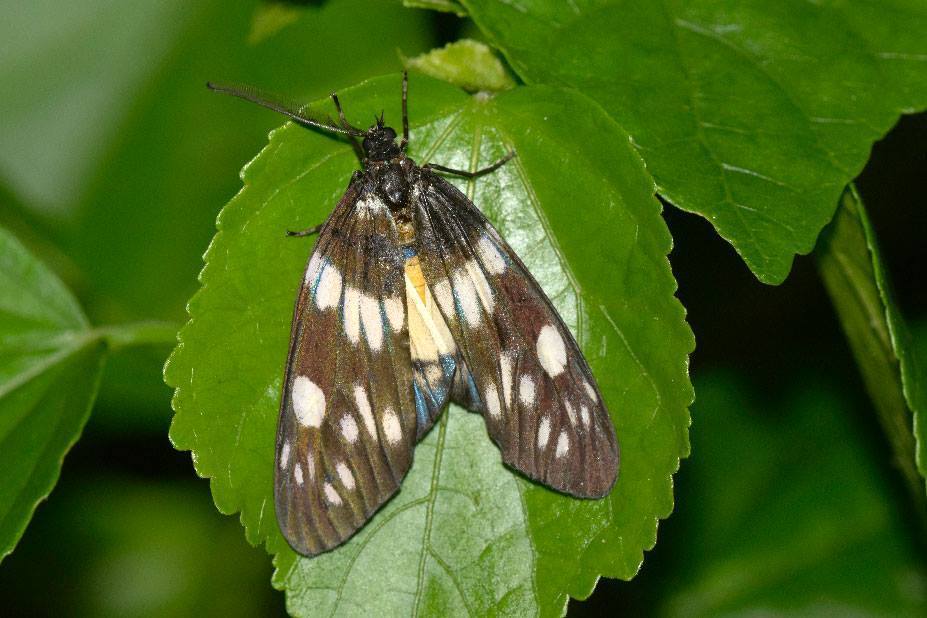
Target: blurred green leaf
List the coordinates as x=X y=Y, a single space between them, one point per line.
x=113 y=545
x=69 y=72
x=753 y=114
x=469 y=64
x=445 y=6
x=852 y=270
x=272 y=16
x=50 y=364
x=497 y=543
x=784 y=513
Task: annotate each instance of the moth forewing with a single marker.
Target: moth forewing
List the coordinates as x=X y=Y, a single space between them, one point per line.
x=345 y=433
x=540 y=401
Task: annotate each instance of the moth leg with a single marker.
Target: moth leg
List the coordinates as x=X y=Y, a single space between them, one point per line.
x=479 y=172
x=307 y=232
x=344 y=123
x=405 y=111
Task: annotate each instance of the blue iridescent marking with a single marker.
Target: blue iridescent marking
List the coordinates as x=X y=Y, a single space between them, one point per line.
x=408 y=252
x=421 y=410
x=323 y=264
x=449 y=364
x=386 y=326
x=471 y=385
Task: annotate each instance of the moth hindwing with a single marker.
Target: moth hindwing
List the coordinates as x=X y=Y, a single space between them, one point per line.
x=411 y=299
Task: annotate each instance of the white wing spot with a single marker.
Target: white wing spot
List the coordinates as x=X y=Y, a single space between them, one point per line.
x=391 y=427
x=312 y=270
x=505 y=364
x=373 y=322
x=543 y=433
x=363 y=406
x=349 y=428
x=551 y=351
x=395 y=313
x=444 y=296
x=490 y=256
x=570 y=412
x=298 y=474
x=284 y=455
x=331 y=495
x=492 y=401
x=481 y=285
x=563 y=445
x=352 y=314
x=584 y=415
x=344 y=473
x=308 y=402
x=590 y=391
x=328 y=292
x=467 y=296
x=526 y=391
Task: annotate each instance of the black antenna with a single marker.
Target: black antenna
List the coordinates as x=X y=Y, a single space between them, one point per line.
x=291 y=111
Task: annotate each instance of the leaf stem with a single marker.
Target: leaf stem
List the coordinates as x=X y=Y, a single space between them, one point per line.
x=847 y=258
x=134 y=334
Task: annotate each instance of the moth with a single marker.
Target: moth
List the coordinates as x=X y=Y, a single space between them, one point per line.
x=411 y=299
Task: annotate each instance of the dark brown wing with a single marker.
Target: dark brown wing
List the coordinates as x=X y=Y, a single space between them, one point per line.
x=347 y=422
x=529 y=378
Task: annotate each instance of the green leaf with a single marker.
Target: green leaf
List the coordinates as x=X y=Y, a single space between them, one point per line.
x=753 y=114
x=783 y=512
x=468 y=64
x=271 y=16
x=69 y=74
x=445 y=6
x=50 y=366
x=123 y=546
x=852 y=270
x=465 y=534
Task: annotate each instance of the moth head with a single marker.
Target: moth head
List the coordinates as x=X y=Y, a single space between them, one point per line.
x=380 y=142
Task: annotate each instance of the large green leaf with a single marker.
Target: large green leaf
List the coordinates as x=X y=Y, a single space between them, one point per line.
x=783 y=513
x=753 y=114
x=465 y=534
x=894 y=374
x=50 y=364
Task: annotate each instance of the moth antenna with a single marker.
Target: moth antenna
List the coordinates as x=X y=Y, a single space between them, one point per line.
x=292 y=111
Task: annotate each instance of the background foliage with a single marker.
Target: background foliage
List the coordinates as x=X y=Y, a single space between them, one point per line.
x=114 y=162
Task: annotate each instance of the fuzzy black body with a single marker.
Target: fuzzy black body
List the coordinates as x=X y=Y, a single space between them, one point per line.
x=412 y=299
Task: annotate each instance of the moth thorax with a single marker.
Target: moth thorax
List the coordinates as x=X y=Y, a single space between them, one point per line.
x=393 y=186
